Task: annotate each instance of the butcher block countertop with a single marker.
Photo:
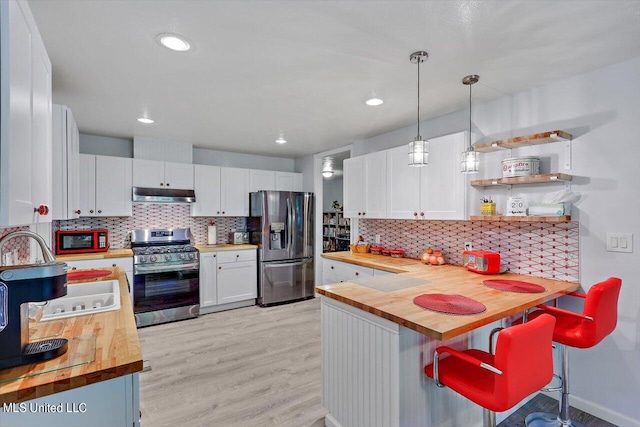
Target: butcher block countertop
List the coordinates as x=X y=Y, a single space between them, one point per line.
x=111 y=253
x=117 y=352
x=398 y=305
x=224 y=247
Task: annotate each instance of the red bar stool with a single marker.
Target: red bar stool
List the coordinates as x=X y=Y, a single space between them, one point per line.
x=498 y=382
x=598 y=319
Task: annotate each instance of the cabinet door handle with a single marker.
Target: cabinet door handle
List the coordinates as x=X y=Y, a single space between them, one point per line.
x=364 y=213
x=218 y=212
x=78 y=212
x=214 y=255
x=332 y=267
x=41 y=210
x=359 y=213
x=167 y=184
x=113 y=265
x=220 y=268
x=91 y=211
x=357 y=274
x=421 y=213
x=237 y=255
x=99 y=211
x=222 y=212
x=415 y=214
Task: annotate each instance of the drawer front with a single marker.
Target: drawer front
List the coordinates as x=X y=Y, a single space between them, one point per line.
x=237 y=256
x=125 y=263
x=345 y=271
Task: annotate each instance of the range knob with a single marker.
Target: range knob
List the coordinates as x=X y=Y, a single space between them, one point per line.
x=191 y=256
x=143 y=258
x=183 y=256
x=167 y=257
x=153 y=258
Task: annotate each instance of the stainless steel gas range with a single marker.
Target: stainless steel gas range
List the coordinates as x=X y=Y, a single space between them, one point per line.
x=166 y=270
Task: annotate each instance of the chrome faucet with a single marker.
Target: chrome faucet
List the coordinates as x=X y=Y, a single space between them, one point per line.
x=46 y=252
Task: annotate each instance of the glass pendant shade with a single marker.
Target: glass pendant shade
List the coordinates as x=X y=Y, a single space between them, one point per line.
x=327 y=174
x=418 y=152
x=470 y=162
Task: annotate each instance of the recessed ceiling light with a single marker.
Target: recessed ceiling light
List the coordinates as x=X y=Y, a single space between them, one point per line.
x=374 y=102
x=174 y=42
x=281 y=140
x=145 y=120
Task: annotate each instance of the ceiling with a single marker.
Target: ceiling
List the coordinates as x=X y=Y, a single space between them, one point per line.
x=304 y=68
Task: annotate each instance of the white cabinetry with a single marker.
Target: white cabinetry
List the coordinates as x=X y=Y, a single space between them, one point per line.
x=155 y=174
x=365 y=183
x=272 y=180
x=234 y=192
x=288 y=181
x=25 y=119
x=228 y=279
x=336 y=272
x=260 y=180
x=435 y=191
x=66 y=167
x=208 y=280
x=207 y=189
x=105 y=186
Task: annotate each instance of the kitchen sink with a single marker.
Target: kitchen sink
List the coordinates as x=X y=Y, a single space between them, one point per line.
x=84 y=298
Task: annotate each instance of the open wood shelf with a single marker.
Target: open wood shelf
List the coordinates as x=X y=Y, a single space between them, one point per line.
x=517 y=180
x=523 y=141
x=564 y=218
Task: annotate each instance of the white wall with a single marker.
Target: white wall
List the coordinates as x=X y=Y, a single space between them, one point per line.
x=121 y=147
x=332 y=190
x=305 y=165
x=602 y=111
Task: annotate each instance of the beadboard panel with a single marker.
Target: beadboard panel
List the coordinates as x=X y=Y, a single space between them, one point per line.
x=360 y=368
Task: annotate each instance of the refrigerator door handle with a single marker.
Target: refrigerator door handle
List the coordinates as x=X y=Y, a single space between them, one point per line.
x=289 y=227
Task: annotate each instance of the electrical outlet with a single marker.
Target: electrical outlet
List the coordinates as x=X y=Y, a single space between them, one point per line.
x=377 y=238
x=468 y=246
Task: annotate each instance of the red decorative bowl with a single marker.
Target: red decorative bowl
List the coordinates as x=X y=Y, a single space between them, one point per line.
x=397 y=253
x=376 y=250
x=386 y=252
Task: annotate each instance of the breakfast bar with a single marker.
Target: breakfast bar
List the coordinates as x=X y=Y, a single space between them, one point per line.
x=376 y=340
x=95 y=383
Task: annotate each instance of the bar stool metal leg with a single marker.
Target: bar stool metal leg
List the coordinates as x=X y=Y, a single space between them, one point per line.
x=547 y=419
x=488 y=418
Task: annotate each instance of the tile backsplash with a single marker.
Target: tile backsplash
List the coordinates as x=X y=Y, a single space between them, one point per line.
x=549 y=250
x=19 y=244
x=155 y=215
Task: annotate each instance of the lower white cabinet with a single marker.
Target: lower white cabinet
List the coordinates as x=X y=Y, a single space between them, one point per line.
x=228 y=279
x=336 y=272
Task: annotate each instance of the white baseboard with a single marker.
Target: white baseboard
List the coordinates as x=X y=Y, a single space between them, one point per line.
x=599 y=411
x=329 y=421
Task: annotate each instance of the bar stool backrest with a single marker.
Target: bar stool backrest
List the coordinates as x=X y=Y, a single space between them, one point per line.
x=523 y=354
x=602 y=305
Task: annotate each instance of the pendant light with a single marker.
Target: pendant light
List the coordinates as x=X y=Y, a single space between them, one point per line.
x=418 y=148
x=470 y=162
x=327 y=167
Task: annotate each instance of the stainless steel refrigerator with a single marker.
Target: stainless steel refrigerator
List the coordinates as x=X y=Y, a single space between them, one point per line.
x=281 y=224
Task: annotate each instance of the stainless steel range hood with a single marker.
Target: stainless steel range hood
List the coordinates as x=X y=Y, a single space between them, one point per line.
x=163 y=195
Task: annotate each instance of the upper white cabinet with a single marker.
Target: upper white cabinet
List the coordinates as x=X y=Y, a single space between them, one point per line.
x=25 y=119
x=288 y=181
x=272 y=180
x=207 y=189
x=105 y=186
x=234 y=192
x=220 y=191
x=365 y=183
x=434 y=191
x=66 y=167
x=155 y=174
x=260 y=180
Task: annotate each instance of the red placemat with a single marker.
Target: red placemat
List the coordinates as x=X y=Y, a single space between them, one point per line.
x=514 y=286
x=88 y=274
x=449 y=304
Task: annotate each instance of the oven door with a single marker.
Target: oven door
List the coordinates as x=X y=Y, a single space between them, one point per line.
x=163 y=287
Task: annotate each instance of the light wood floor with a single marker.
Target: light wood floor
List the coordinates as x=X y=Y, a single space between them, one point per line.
x=246 y=367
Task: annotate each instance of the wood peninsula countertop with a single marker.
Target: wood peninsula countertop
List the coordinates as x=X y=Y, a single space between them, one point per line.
x=111 y=253
x=224 y=247
x=117 y=352
x=397 y=306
